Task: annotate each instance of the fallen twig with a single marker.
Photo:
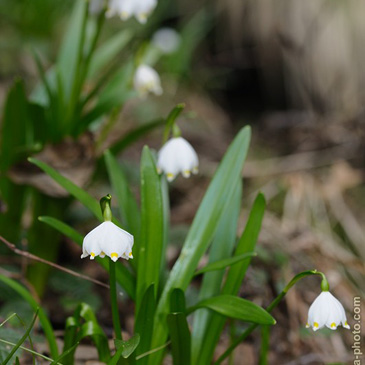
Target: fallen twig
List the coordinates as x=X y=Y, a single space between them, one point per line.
x=30 y=256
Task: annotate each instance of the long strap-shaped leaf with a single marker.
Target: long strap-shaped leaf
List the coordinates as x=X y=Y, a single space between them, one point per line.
x=235 y=276
x=151 y=246
x=128 y=207
x=237 y=308
x=86 y=199
x=221 y=249
x=202 y=230
x=46 y=325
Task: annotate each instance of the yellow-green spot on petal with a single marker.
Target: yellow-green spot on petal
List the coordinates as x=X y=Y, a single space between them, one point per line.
x=170 y=175
x=315 y=325
x=92 y=254
x=333 y=325
x=346 y=324
x=114 y=254
x=130 y=254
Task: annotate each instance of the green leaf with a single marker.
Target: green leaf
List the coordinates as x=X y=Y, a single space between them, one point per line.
x=235 y=307
x=86 y=199
x=127 y=203
x=222 y=264
x=235 y=276
x=76 y=331
x=46 y=325
x=134 y=135
x=203 y=228
x=246 y=244
x=65 y=354
x=220 y=252
x=63 y=228
x=21 y=340
x=109 y=50
x=180 y=338
x=124 y=277
x=15 y=128
x=127 y=347
x=177 y=301
x=144 y=322
x=150 y=250
x=68 y=56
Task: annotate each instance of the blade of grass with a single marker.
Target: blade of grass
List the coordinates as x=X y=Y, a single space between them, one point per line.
x=28 y=350
x=21 y=340
x=46 y=325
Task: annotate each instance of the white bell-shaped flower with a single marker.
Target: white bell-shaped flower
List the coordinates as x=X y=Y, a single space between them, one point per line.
x=141 y=9
x=177 y=156
x=108 y=239
x=167 y=40
x=146 y=80
x=327 y=311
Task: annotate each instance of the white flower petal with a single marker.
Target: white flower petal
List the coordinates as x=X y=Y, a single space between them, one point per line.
x=167 y=40
x=146 y=80
x=108 y=239
x=177 y=156
x=327 y=311
x=143 y=8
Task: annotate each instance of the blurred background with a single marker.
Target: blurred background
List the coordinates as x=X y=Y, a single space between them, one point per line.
x=291 y=69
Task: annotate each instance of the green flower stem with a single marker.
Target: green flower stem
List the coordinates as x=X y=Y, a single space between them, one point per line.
x=170 y=123
x=273 y=305
x=114 y=301
x=105 y=208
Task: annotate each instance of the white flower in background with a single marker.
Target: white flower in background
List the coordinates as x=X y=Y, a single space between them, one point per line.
x=167 y=40
x=141 y=9
x=108 y=239
x=146 y=80
x=177 y=155
x=327 y=311
x=96 y=6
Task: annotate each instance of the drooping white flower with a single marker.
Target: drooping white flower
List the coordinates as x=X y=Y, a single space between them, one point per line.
x=177 y=156
x=108 y=239
x=327 y=311
x=141 y=9
x=146 y=80
x=167 y=40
